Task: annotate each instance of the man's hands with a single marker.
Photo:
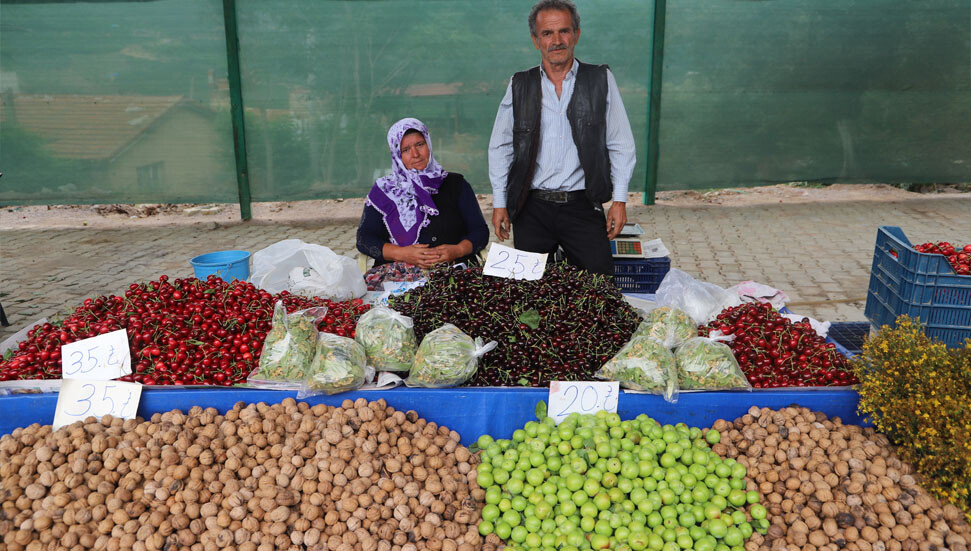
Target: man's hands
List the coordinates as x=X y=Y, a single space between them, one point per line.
x=616 y=218
x=500 y=220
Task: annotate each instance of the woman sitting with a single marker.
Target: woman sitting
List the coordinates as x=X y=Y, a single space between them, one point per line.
x=419 y=214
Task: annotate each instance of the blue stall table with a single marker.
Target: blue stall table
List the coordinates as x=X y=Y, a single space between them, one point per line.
x=469 y=411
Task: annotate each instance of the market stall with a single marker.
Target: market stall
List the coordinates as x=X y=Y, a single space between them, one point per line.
x=701 y=418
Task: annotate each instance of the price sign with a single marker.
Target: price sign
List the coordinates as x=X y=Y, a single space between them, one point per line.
x=512 y=263
x=79 y=399
x=582 y=397
x=103 y=357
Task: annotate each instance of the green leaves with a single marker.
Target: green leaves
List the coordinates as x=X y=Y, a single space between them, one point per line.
x=541 y=410
x=531 y=318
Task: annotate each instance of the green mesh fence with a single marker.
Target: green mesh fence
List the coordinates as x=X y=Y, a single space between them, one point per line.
x=324 y=82
x=114 y=102
x=759 y=92
x=129 y=101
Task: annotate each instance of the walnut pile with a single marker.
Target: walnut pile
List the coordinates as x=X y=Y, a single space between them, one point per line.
x=829 y=486
x=361 y=477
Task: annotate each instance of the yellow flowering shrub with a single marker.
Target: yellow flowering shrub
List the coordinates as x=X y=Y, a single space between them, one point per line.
x=918 y=393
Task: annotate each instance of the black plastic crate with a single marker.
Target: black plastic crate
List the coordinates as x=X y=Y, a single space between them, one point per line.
x=849 y=334
x=640 y=275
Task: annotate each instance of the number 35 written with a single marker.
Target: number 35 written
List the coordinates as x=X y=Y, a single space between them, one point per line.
x=98 y=358
x=79 y=399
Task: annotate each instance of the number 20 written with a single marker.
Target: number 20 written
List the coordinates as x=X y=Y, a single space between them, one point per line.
x=589 y=399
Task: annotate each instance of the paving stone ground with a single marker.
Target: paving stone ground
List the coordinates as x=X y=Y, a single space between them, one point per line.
x=820 y=253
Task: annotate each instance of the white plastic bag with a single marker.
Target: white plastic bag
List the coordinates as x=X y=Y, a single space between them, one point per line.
x=749 y=291
x=307 y=269
x=820 y=327
x=700 y=300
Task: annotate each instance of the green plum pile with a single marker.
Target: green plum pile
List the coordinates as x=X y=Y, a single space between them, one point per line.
x=596 y=482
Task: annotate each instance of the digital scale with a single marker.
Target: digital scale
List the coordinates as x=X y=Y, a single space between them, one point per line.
x=626 y=248
x=628 y=243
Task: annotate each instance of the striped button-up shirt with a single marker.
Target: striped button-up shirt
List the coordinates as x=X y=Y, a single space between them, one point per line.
x=557 y=161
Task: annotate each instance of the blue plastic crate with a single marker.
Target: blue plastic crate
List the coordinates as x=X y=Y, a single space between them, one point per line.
x=640 y=275
x=924 y=286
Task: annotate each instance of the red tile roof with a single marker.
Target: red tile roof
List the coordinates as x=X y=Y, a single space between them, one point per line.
x=434 y=89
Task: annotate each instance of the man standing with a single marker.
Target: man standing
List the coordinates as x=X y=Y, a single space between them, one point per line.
x=560 y=148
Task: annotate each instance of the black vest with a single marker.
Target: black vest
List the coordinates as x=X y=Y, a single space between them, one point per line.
x=587 y=114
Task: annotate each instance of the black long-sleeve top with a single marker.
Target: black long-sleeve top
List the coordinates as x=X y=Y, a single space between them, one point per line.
x=459 y=218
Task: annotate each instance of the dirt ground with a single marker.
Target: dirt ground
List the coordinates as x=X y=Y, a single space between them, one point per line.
x=330 y=211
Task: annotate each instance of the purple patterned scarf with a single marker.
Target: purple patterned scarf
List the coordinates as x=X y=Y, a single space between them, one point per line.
x=404 y=197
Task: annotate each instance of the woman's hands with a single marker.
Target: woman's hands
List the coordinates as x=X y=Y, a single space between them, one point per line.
x=424 y=256
x=448 y=253
x=416 y=255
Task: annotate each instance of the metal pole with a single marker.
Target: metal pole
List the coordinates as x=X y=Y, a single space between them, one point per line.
x=236 y=109
x=654 y=100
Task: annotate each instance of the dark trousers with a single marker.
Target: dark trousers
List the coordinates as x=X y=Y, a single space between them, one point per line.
x=578 y=226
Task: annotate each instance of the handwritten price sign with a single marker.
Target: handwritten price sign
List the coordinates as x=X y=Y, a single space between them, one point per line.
x=79 y=399
x=512 y=263
x=582 y=397
x=99 y=358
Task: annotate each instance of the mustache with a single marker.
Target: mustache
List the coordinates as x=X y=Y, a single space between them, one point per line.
x=556 y=48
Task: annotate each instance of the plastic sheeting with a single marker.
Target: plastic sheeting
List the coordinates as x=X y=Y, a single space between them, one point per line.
x=469 y=411
x=128 y=101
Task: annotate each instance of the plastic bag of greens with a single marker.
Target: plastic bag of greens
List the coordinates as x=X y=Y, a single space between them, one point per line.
x=646 y=365
x=708 y=364
x=699 y=299
x=388 y=339
x=446 y=357
x=288 y=349
x=339 y=365
x=668 y=325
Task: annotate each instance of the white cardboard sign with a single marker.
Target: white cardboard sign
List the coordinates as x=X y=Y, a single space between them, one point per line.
x=79 y=399
x=98 y=358
x=582 y=397
x=512 y=263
